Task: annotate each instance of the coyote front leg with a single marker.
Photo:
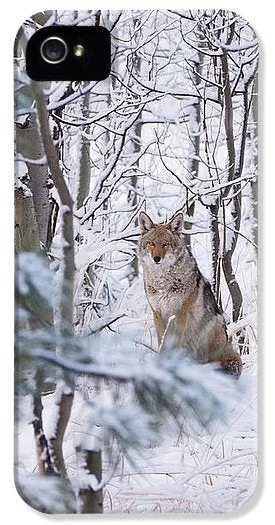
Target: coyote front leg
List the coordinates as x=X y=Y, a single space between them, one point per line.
x=159 y=325
x=163 y=328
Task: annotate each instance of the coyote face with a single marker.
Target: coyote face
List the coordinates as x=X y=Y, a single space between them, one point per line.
x=184 y=308
x=160 y=242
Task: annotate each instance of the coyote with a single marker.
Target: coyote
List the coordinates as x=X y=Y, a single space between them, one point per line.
x=184 y=308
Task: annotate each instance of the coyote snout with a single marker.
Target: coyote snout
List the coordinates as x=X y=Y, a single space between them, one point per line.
x=183 y=305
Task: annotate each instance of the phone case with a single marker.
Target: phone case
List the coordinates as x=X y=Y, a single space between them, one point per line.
x=136 y=269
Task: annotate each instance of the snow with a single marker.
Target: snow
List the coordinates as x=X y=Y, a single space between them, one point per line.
x=21 y=178
x=34 y=277
x=190 y=469
x=44 y=492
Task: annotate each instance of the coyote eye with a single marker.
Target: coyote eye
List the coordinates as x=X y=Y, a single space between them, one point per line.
x=151 y=244
x=166 y=244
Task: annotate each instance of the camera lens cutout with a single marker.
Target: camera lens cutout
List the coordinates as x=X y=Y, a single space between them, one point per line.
x=59 y=53
x=54 y=50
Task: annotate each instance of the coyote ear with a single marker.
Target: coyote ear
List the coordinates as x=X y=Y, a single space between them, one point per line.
x=176 y=223
x=145 y=222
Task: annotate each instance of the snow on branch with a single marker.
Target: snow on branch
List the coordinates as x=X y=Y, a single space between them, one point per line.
x=50 y=494
x=170 y=384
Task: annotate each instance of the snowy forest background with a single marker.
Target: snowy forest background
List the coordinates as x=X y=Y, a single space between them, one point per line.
x=103 y=423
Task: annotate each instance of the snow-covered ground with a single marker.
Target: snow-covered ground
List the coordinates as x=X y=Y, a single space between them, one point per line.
x=191 y=471
x=214 y=472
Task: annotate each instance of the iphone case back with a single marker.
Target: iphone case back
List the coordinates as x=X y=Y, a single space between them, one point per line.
x=136 y=269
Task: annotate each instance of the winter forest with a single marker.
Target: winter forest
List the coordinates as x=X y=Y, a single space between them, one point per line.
x=104 y=422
